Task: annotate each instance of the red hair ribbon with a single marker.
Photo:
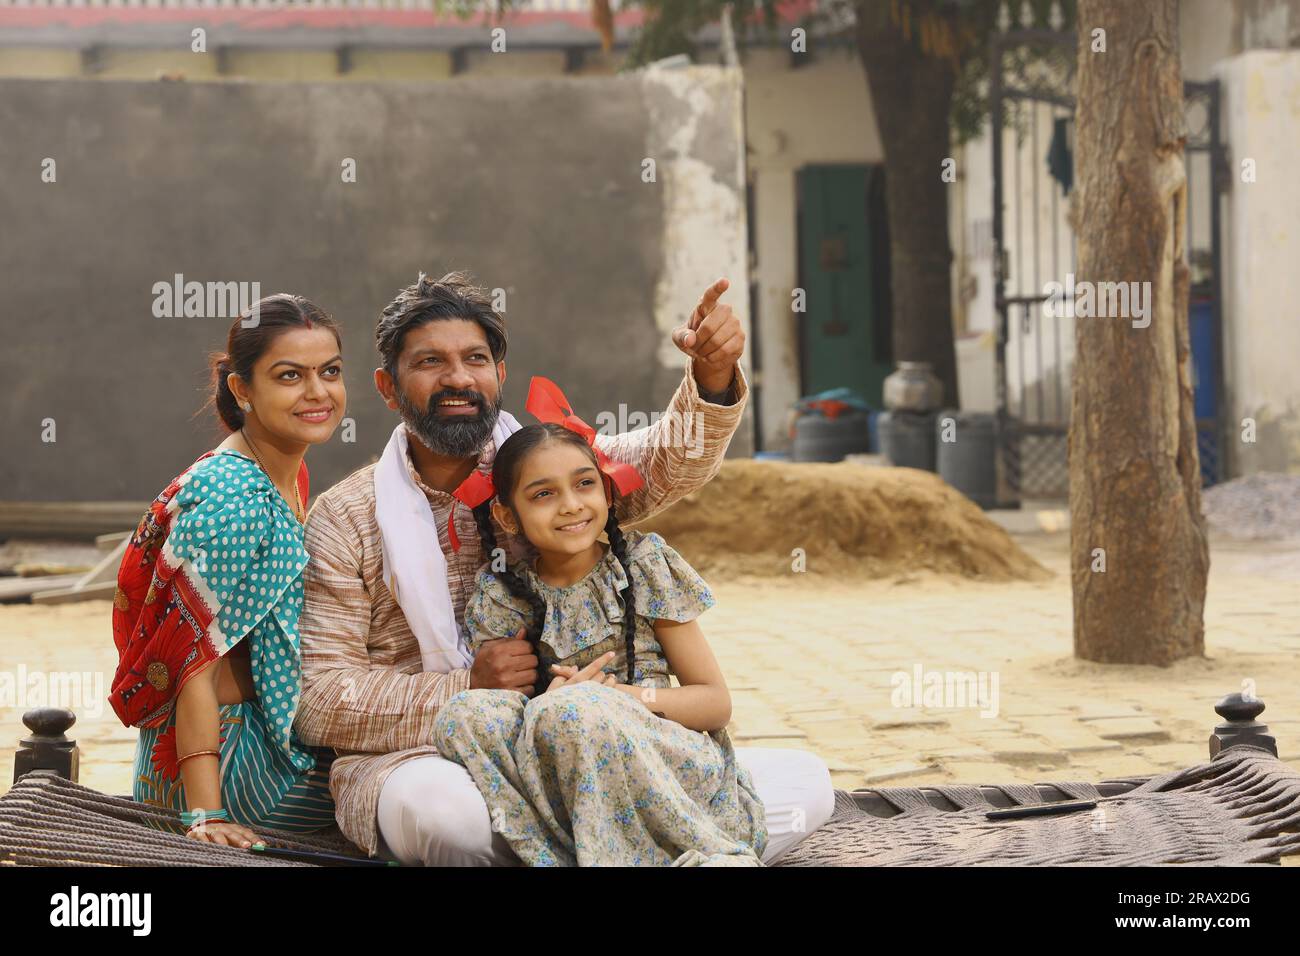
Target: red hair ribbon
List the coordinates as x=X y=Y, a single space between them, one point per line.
x=547 y=403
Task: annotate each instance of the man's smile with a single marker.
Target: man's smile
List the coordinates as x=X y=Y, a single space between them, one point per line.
x=457 y=406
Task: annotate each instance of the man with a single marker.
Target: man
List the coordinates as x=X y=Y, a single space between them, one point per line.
x=379 y=656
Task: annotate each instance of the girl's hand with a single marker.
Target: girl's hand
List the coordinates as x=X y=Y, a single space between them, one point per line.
x=564 y=670
x=566 y=675
x=643 y=695
x=223 y=833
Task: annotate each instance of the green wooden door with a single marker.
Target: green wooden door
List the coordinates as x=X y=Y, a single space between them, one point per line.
x=845 y=333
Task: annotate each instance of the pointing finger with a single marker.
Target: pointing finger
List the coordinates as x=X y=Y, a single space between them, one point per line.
x=708 y=301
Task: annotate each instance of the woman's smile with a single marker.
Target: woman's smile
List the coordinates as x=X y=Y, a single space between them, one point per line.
x=316 y=415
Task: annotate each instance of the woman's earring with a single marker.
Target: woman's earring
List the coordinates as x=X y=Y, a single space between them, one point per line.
x=247 y=406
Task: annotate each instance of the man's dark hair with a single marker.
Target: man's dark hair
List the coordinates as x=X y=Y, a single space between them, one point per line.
x=454 y=296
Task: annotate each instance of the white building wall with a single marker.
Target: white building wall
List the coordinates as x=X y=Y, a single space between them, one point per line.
x=1210 y=30
x=1040 y=249
x=818 y=113
x=1261 y=120
x=970 y=211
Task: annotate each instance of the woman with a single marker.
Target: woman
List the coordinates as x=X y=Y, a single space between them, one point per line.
x=210 y=588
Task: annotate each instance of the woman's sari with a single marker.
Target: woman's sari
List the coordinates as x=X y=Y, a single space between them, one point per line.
x=217 y=560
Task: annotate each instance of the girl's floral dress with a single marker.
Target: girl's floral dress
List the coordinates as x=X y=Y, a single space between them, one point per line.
x=586 y=775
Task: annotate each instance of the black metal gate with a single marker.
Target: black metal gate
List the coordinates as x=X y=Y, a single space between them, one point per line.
x=1031 y=91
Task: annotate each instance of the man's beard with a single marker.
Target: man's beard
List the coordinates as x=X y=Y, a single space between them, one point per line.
x=455 y=436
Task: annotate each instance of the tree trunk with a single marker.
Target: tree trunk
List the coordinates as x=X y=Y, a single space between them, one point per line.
x=912 y=97
x=1138 y=557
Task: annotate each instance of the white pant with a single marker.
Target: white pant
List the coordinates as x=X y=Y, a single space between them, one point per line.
x=431 y=813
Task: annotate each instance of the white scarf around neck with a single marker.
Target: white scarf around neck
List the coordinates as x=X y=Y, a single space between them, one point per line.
x=415 y=569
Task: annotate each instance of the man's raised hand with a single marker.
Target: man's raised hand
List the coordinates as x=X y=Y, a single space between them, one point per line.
x=505 y=664
x=712 y=336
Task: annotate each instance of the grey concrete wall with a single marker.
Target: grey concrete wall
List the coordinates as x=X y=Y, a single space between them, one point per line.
x=535 y=186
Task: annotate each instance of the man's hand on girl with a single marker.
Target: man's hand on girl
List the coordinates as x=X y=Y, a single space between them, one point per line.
x=505 y=664
x=713 y=337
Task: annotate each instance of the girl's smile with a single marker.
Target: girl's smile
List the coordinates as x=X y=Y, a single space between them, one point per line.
x=559 y=500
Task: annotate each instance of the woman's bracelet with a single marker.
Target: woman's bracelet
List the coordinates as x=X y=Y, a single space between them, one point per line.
x=197 y=753
x=195 y=818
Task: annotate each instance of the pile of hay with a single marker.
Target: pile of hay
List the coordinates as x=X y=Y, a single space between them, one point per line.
x=851 y=522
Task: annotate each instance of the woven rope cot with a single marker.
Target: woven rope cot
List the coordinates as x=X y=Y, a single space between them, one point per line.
x=1241 y=807
x=47 y=820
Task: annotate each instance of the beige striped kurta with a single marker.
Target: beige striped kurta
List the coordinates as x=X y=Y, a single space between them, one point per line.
x=364 y=692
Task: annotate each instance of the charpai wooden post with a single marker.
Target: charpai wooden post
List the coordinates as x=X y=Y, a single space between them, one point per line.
x=1239 y=725
x=48 y=748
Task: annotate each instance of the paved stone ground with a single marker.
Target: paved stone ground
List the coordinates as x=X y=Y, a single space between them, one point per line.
x=811 y=665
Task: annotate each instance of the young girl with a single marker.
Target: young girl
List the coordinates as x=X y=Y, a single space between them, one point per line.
x=607 y=764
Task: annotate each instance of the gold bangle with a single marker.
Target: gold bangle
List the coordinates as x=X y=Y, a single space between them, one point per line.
x=197 y=753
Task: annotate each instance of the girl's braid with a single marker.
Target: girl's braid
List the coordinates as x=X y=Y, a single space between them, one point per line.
x=519 y=588
x=618 y=544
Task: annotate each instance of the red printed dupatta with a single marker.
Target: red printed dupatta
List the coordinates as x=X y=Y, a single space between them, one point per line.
x=164 y=608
